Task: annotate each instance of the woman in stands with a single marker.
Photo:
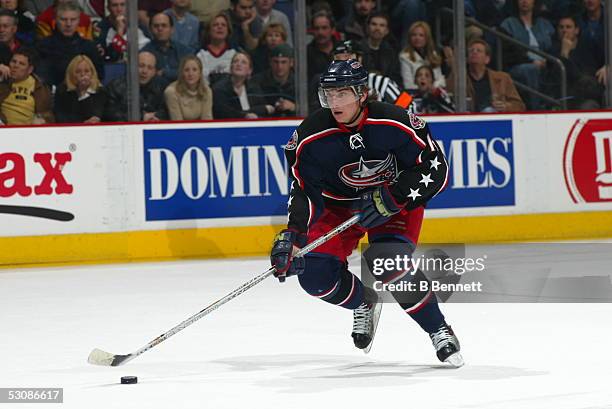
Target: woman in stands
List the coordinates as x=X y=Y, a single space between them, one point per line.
x=80 y=98
x=274 y=34
x=189 y=97
x=419 y=51
x=236 y=97
x=216 y=53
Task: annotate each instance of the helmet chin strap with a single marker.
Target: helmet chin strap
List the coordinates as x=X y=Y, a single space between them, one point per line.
x=354 y=118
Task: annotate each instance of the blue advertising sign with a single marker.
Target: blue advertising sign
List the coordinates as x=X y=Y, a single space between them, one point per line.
x=215 y=172
x=481 y=161
x=242 y=172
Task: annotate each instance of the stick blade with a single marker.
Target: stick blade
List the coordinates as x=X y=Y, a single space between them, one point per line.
x=99 y=357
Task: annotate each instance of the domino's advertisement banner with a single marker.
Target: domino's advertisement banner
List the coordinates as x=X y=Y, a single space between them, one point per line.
x=481 y=162
x=242 y=172
x=215 y=172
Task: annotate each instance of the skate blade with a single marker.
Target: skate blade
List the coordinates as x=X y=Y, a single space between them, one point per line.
x=377 y=311
x=456 y=360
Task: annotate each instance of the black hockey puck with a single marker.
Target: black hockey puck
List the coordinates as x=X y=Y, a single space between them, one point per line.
x=128 y=380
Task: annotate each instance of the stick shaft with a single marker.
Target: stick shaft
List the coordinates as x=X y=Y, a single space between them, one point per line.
x=244 y=287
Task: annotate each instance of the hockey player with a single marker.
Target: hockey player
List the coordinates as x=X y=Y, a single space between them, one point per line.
x=360 y=155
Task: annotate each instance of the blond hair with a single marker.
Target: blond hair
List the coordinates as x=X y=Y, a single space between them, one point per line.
x=181 y=86
x=70 y=79
x=431 y=55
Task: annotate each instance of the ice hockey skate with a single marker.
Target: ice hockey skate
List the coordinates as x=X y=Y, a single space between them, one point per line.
x=447 y=345
x=365 y=320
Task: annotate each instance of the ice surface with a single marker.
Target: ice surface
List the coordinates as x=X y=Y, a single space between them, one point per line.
x=276 y=347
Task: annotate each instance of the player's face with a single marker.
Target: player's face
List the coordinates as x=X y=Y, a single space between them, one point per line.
x=68 y=22
x=343 y=103
x=20 y=67
x=83 y=75
x=418 y=39
x=274 y=38
x=191 y=73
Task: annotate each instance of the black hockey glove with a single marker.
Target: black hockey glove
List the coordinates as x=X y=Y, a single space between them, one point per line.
x=377 y=206
x=281 y=255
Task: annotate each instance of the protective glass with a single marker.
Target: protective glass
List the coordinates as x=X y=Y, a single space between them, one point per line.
x=337 y=97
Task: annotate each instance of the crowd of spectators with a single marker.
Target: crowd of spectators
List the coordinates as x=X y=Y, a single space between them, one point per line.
x=65 y=60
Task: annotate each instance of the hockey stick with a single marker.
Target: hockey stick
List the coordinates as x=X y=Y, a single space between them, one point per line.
x=99 y=357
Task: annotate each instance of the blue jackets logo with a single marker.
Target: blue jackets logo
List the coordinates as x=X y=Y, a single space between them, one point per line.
x=211 y=173
x=481 y=161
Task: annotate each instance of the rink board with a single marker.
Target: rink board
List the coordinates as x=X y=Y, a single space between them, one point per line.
x=215 y=189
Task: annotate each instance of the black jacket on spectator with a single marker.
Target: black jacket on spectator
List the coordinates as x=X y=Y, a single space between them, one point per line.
x=318 y=61
x=273 y=90
x=261 y=58
x=68 y=109
x=580 y=69
x=56 y=52
x=226 y=103
x=383 y=61
x=151 y=99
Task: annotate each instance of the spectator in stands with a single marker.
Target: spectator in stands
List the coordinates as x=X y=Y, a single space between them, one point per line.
x=320 y=49
x=266 y=14
x=491 y=13
x=168 y=52
x=489 y=90
x=419 y=51
x=591 y=25
x=149 y=8
x=186 y=25
x=378 y=55
x=404 y=13
x=112 y=38
x=428 y=99
x=46 y=22
x=242 y=19
x=216 y=54
x=354 y=26
x=152 y=103
x=278 y=82
x=580 y=65
x=25 y=25
x=24 y=99
x=8 y=41
x=80 y=97
x=57 y=50
x=274 y=34
x=537 y=32
x=205 y=10
x=189 y=97
x=236 y=96
x=36 y=7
